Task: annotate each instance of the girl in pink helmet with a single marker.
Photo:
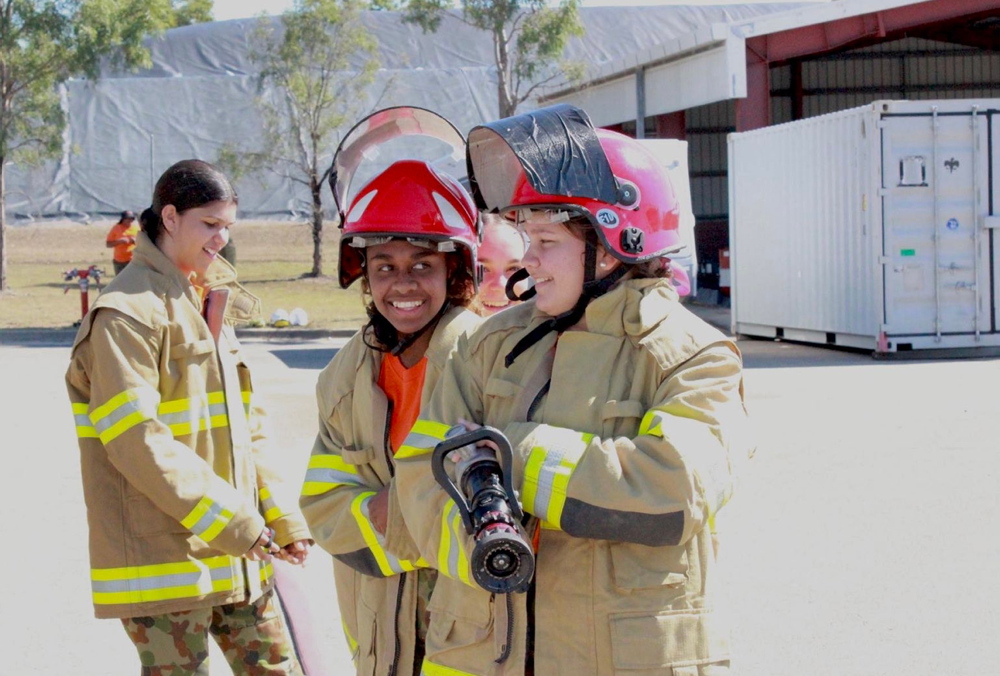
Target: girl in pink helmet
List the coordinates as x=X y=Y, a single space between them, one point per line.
x=623 y=410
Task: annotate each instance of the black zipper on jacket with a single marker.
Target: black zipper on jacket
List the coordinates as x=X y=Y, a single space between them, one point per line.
x=399 y=606
x=402 y=576
x=386 y=444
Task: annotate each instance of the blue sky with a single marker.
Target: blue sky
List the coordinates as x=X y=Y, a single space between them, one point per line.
x=239 y=9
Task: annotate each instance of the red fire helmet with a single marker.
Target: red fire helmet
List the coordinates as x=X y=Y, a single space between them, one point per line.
x=554 y=159
x=411 y=201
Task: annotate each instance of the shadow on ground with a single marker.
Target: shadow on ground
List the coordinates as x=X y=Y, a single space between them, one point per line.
x=305 y=358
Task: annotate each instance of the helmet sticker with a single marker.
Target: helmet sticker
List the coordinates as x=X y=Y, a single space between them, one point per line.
x=359 y=207
x=452 y=219
x=607 y=218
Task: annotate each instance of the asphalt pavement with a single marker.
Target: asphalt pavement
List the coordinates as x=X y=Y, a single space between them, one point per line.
x=858 y=542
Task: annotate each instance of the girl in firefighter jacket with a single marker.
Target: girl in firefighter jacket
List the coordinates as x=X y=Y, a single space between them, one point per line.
x=624 y=412
x=410 y=235
x=184 y=511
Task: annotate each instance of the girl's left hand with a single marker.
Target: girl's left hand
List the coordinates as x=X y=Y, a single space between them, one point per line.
x=296 y=552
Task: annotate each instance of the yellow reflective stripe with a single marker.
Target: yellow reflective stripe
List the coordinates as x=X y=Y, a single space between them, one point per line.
x=651 y=424
x=423 y=437
x=328 y=471
x=451 y=555
x=84 y=428
x=266 y=572
x=428 y=668
x=387 y=563
x=246 y=400
x=268 y=506
x=688 y=430
x=124 y=411
x=160 y=582
x=207 y=519
x=194 y=414
x=351 y=643
x=546 y=477
x=179 y=405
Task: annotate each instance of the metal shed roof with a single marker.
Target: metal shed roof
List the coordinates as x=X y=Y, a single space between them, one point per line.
x=709 y=63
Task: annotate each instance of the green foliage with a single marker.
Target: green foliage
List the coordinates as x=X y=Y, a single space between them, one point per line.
x=386 y=5
x=189 y=12
x=529 y=38
x=42 y=44
x=314 y=78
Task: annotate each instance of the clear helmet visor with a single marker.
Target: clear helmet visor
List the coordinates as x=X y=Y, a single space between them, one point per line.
x=391 y=135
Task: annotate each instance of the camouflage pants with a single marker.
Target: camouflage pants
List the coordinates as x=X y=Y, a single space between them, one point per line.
x=253 y=637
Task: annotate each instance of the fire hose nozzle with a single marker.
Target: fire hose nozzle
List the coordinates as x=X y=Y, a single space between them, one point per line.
x=502 y=560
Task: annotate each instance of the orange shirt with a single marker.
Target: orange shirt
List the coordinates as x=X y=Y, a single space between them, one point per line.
x=123 y=252
x=403 y=387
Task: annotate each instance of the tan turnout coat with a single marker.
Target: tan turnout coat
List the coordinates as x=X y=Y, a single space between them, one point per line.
x=172 y=444
x=351 y=460
x=623 y=464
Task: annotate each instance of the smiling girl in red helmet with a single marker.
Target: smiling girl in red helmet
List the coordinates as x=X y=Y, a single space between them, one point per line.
x=410 y=234
x=624 y=411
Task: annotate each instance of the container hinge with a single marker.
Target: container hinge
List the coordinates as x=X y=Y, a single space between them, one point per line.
x=991 y=221
x=884 y=260
x=882 y=192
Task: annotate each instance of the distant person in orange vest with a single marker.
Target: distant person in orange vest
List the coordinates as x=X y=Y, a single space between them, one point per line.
x=121 y=238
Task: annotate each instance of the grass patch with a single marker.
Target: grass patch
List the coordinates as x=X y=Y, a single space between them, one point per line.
x=272 y=258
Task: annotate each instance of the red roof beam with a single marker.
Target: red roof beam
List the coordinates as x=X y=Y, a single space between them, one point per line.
x=834 y=35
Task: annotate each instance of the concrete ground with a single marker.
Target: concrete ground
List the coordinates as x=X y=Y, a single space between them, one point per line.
x=861 y=540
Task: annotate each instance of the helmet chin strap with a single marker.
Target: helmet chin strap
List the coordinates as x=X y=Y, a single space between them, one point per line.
x=592 y=288
x=407 y=340
x=386 y=333
x=513 y=281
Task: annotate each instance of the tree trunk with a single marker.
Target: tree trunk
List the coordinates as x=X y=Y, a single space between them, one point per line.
x=3 y=224
x=317 y=226
x=505 y=102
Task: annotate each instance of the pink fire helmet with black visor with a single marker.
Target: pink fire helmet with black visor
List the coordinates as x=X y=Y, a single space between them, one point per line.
x=554 y=160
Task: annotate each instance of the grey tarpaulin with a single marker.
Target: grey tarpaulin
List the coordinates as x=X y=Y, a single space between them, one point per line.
x=126 y=129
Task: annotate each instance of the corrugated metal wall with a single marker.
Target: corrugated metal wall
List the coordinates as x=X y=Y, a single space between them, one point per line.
x=910 y=68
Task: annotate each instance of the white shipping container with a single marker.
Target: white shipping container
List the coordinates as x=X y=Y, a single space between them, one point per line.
x=872 y=227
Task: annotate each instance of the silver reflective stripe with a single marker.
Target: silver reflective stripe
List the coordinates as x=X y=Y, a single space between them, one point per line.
x=193 y=415
x=331 y=476
x=161 y=581
x=418 y=440
x=207 y=519
x=120 y=413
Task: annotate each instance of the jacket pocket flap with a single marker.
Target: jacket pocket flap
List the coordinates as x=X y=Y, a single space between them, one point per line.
x=498 y=387
x=640 y=567
x=671 y=639
x=467 y=604
x=185 y=350
x=623 y=409
x=361 y=456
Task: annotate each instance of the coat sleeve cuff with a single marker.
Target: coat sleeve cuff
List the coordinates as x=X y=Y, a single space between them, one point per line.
x=290 y=528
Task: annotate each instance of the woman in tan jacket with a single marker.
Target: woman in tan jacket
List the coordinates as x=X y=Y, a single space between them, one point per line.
x=184 y=511
x=624 y=413
x=410 y=235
